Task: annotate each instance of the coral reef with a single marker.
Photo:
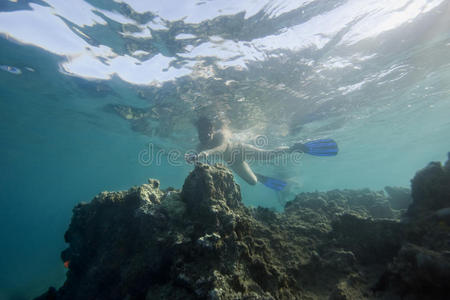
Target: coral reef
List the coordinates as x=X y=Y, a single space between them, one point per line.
x=201 y=242
x=421 y=270
x=431 y=188
x=399 y=197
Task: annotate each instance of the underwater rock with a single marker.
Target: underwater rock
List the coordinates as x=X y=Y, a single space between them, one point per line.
x=421 y=270
x=363 y=202
x=145 y=243
x=430 y=189
x=372 y=241
x=201 y=242
x=419 y=273
x=347 y=290
x=198 y=243
x=211 y=196
x=399 y=197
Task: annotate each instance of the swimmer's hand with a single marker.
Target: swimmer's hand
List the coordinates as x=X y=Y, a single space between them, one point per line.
x=191 y=158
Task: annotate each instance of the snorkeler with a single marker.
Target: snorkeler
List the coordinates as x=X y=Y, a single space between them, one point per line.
x=216 y=144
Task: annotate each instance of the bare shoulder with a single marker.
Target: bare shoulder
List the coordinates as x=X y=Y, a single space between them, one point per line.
x=223 y=135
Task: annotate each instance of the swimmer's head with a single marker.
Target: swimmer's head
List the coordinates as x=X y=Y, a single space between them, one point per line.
x=205 y=129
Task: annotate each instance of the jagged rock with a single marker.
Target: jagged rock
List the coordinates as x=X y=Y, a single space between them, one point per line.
x=348 y=290
x=118 y=240
x=372 y=241
x=211 y=196
x=381 y=210
x=399 y=197
x=419 y=273
x=340 y=259
x=363 y=202
x=421 y=270
x=430 y=189
x=203 y=243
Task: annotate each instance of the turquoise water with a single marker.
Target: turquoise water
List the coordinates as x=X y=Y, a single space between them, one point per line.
x=373 y=75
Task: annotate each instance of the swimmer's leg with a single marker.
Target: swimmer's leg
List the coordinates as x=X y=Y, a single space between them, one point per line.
x=272 y=183
x=243 y=170
x=254 y=153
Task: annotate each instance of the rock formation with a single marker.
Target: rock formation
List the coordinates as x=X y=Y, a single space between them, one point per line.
x=201 y=242
x=421 y=270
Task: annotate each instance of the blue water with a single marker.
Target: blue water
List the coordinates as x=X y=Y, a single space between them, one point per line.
x=373 y=75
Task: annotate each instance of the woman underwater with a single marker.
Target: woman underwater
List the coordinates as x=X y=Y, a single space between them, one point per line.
x=217 y=144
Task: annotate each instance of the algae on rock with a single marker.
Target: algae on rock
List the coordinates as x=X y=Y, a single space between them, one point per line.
x=201 y=242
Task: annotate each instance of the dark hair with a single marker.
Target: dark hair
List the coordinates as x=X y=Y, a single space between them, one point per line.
x=205 y=128
x=203 y=122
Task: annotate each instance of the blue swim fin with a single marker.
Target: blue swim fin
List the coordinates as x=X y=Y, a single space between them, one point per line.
x=274 y=184
x=322 y=147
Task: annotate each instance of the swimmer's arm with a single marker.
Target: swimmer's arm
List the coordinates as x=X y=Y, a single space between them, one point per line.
x=214 y=152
